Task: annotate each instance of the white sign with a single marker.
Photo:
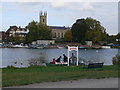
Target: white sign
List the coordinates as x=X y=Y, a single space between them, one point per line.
x=73 y=48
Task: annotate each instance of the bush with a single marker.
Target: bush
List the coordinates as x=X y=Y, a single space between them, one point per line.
x=116 y=60
x=11 y=67
x=37 y=61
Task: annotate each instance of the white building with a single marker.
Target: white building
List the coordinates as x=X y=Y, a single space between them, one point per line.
x=89 y=43
x=15 y=31
x=45 y=42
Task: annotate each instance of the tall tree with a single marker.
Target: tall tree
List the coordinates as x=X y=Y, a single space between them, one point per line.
x=37 y=31
x=79 y=29
x=88 y=29
x=68 y=36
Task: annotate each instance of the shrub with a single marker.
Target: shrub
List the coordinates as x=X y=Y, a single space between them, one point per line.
x=12 y=67
x=116 y=60
x=37 y=61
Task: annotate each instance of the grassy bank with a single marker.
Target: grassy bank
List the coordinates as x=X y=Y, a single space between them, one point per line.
x=24 y=76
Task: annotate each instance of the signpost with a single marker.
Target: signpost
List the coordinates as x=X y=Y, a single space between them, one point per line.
x=72 y=48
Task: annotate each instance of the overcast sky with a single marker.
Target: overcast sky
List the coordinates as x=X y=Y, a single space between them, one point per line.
x=59 y=13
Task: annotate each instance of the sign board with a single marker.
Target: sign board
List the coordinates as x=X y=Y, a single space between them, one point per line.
x=72 y=48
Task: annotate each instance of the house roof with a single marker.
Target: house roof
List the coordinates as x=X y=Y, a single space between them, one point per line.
x=15 y=28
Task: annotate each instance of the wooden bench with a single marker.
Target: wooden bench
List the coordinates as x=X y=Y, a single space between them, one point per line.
x=93 y=65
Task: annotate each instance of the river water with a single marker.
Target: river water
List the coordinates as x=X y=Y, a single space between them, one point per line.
x=23 y=56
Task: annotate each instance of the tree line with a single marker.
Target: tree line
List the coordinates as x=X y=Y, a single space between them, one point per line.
x=82 y=30
x=89 y=29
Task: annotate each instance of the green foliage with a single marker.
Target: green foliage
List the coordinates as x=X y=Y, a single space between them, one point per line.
x=118 y=36
x=94 y=35
x=11 y=67
x=79 y=29
x=116 y=60
x=16 y=39
x=13 y=39
x=37 y=31
x=88 y=29
x=68 y=36
x=96 y=31
x=112 y=39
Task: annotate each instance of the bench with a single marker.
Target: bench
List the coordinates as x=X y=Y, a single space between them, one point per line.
x=93 y=65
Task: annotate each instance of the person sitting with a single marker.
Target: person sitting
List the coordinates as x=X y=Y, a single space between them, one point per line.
x=54 y=61
x=58 y=60
x=65 y=58
x=61 y=60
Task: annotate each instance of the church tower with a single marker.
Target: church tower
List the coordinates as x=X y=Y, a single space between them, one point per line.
x=43 y=17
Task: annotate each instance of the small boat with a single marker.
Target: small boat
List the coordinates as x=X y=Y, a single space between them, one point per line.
x=17 y=46
x=106 y=47
x=1 y=45
x=61 y=63
x=57 y=64
x=81 y=47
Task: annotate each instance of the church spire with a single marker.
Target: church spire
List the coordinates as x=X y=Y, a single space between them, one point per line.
x=43 y=17
x=45 y=13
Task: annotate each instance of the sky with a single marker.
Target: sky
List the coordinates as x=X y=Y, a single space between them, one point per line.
x=59 y=13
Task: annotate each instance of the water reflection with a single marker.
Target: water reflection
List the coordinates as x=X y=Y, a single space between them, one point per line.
x=37 y=61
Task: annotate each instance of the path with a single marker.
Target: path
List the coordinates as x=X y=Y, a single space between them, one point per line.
x=82 y=83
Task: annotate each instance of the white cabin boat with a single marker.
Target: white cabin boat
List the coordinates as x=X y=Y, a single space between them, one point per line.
x=106 y=47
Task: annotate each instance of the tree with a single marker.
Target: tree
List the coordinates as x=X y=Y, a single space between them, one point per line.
x=68 y=36
x=37 y=31
x=79 y=29
x=88 y=29
x=32 y=26
x=93 y=35
x=112 y=38
x=16 y=39
x=118 y=36
x=96 y=31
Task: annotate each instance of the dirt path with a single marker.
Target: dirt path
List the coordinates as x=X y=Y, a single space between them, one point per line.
x=82 y=83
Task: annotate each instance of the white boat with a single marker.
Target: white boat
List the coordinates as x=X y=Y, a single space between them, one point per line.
x=60 y=62
x=17 y=46
x=106 y=47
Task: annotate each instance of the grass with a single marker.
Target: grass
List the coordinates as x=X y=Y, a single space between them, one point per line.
x=23 y=76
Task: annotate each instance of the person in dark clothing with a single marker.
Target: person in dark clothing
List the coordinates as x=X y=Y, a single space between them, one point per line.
x=58 y=60
x=73 y=59
x=65 y=58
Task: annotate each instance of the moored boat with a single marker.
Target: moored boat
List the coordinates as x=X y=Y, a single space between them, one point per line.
x=16 y=46
x=81 y=47
x=106 y=47
x=57 y=64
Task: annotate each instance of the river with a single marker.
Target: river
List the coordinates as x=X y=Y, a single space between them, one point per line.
x=24 y=56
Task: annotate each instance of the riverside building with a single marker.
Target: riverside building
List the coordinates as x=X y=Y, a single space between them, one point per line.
x=15 y=31
x=58 y=32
